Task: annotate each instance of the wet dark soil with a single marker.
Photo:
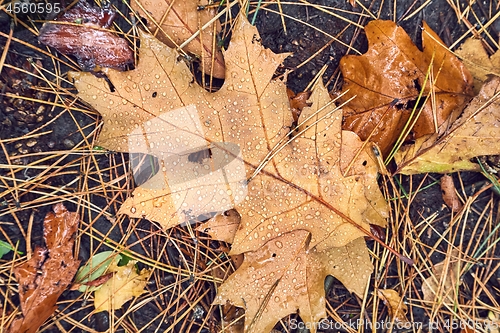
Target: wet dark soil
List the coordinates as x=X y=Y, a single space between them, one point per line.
x=308 y=38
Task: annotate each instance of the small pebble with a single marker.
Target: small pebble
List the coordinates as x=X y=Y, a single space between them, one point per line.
x=68 y=143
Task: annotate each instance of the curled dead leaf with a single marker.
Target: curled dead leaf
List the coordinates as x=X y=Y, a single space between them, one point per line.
x=450 y=196
x=388 y=79
x=48 y=273
x=173 y=22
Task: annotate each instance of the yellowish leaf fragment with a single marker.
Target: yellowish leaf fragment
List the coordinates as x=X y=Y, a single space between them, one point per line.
x=397 y=309
x=478 y=62
x=125 y=284
x=350 y=264
x=475 y=133
x=441 y=285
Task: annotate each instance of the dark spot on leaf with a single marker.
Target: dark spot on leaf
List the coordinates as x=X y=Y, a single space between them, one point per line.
x=199 y=156
x=417 y=85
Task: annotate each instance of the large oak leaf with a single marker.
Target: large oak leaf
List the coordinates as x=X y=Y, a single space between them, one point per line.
x=156 y=109
x=389 y=77
x=236 y=148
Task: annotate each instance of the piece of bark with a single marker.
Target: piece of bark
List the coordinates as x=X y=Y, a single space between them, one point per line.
x=48 y=273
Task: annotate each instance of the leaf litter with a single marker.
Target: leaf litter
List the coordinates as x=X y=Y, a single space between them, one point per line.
x=320 y=185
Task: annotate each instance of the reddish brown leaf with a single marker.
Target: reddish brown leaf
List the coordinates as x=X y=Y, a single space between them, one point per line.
x=450 y=196
x=87 y=39
x=387 y=81
x=44 y=277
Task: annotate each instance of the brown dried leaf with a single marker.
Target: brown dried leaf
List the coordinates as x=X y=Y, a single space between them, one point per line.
x=323 y=182
x=478 y=62
x=173 y=22
x=88 y=41
x=397 y=309
x=441 y=285
x=124 y=285
x=387 y=80
x=476 y=133
x=285 y=276
x=47 y=274
x=450 y=196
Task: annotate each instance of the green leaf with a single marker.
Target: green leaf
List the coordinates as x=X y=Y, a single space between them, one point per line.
x=94 y=268
x=5 y=248
x=126 y=257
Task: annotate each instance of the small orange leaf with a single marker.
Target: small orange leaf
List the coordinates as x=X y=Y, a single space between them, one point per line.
x=450 y=196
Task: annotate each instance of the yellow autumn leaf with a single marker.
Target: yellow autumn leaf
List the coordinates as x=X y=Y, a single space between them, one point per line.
x=125 y=284
x=397 y=308
x=478 y=62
